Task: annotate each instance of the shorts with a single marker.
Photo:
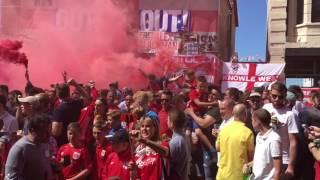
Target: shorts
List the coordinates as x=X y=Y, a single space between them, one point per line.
x=191 y=124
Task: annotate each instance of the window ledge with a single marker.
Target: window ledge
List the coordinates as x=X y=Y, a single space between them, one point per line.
x=308 y=24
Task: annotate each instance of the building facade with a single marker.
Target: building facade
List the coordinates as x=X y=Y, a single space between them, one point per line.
x=293 y=37
x=17 y=20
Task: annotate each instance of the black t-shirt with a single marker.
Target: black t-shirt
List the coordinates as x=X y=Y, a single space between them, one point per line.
x=310 y=117
x=214 y=112
x=67 y=112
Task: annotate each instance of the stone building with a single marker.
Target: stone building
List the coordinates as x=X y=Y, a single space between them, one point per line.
x=294 y=38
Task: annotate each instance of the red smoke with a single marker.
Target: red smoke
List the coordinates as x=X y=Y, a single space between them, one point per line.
x=88 y=39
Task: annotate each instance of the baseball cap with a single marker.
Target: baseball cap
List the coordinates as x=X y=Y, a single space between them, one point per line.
x=33 y=100
x=291 y=97
x=253 y=94
x=100 y=101
x=119 y=136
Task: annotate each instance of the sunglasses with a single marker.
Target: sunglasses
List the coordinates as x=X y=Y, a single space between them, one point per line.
x=167 y=100
x=280 y=97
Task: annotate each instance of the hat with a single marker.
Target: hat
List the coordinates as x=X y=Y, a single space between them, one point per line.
x=100 y=101
x=33 y=100
x=152 y=115
x=291 y=97
x=255 y=94
x=119 y=136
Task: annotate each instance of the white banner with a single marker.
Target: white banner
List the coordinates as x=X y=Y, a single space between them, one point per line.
x=245 y=76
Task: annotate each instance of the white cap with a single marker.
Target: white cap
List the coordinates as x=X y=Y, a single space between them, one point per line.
x=255 y=94
x=33 y=100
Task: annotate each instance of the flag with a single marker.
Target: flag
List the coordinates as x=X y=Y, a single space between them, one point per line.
x=245 y=76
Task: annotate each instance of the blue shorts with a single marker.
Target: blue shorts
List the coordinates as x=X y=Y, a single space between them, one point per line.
x=191 y=124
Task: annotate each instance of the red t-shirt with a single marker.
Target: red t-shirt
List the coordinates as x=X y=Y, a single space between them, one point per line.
x=85 y=121
x=317 y=170
x=117 y=166
x=148 y=163
x=79 y=160
x=195 y=94
x=155 y=107
x=102 y=153
x=113 y=107
x=163 y=117
x=308 y=104
x=191 y=83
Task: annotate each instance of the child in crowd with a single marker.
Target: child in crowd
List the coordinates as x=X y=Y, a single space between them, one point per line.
x=103 y=148
x=198 y=101
x=267 y=159
x=113 y=121
x=118 y=163
x=74 y=156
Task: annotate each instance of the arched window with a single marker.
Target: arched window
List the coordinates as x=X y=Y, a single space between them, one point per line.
x=315 y=11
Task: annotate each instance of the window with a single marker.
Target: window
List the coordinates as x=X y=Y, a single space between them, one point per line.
x=315 y=11
x=300 y=6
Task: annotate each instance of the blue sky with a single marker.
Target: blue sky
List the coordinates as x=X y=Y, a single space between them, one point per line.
x=251 y=33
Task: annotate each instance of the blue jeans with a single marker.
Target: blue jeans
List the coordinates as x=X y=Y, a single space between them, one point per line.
x=210 y=168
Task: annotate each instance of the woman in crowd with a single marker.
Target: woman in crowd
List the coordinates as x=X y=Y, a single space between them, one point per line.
x=150 y=154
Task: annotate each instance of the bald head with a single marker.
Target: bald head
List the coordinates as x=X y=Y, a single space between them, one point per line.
x=240 y=112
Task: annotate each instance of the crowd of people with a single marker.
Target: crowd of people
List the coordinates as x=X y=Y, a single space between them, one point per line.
x=76 y=131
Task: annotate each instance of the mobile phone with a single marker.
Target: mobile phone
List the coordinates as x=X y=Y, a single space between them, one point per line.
x=305 y=127
x=66 y=161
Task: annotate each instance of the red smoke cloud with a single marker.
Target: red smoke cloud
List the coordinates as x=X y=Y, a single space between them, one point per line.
x=88 y=39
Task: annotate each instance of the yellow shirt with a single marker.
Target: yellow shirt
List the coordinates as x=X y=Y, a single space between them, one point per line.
x=234 y=141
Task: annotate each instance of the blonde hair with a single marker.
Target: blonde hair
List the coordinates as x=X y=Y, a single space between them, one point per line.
x=115 y=115
x=142 y=98
x=156 y=136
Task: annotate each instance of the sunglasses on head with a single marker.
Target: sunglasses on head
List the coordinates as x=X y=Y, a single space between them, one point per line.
x=274 y=96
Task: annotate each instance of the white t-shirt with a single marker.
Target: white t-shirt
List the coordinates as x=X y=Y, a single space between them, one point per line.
x=287 y=125
x=222 y=125
x=225 y=122
x=10 y=123
x=123 y=106
x=268 y=146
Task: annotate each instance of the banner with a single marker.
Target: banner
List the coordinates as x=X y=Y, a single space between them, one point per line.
x=152 y=42
x=178 y=20
x=207 y=65
x=306 y=91
x=164 y=20
x=245 y=76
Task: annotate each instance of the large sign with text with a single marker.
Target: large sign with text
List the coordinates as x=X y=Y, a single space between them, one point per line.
x=164 y=20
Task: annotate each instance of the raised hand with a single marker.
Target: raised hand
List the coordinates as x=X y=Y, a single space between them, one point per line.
x=26 y=75
x=64 y=76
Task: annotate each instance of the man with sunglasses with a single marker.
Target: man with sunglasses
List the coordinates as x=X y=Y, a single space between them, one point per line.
x=166 y=106
x=284 y=123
